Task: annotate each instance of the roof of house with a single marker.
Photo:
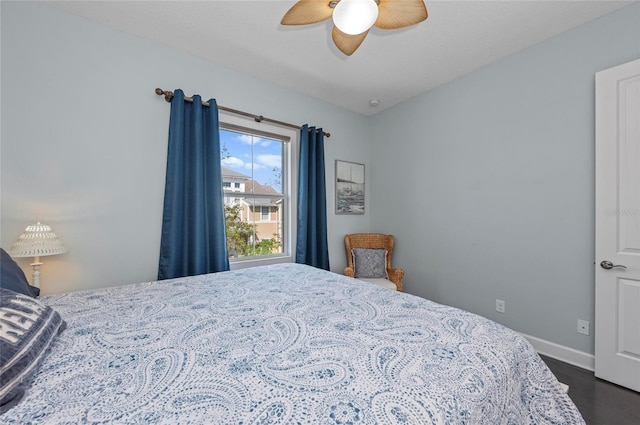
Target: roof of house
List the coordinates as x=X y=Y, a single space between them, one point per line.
x=251 y=186
x=259 y=188
x=234 y=174
x=262 y=202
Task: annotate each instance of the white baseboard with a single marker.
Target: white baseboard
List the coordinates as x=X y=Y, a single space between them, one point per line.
x=560 y=352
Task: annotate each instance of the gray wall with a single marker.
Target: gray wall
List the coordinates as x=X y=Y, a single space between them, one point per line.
x=84 y=141
x=488 y=182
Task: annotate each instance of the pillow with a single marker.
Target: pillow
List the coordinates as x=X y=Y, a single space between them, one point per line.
x=12 y=277
x=27 y=329
x=370 y=263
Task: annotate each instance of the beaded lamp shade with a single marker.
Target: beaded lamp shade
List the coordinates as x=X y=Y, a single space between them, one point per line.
x=38 y=240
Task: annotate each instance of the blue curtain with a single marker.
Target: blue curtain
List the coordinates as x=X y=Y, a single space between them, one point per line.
x=193 y=226
x=312 y=247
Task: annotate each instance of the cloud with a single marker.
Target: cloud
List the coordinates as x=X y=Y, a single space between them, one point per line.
x=271 y=161
x=248 y=139
x=255 y=166
x=245 y=138
x=233 y=162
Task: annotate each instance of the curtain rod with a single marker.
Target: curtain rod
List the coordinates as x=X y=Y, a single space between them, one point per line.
x=168 y=96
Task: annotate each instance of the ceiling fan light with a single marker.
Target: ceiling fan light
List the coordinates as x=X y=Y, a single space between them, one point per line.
x=355 y=16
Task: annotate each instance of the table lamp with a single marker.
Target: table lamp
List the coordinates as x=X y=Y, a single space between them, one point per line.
x=38 y=240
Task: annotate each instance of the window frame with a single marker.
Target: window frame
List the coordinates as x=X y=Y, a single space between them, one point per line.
x=262 y=214
x=290 y=138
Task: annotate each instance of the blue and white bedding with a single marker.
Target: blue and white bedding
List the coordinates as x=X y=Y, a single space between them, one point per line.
x=285 y=344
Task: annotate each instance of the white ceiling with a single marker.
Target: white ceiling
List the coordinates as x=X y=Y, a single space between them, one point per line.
x=390 y=66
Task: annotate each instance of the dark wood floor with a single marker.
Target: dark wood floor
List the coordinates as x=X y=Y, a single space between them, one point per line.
x=599 y=402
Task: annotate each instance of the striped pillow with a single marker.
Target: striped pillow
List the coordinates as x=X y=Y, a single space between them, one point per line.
x=27 y=329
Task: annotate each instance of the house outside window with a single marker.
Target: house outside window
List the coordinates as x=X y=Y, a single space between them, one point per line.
x=258 y=195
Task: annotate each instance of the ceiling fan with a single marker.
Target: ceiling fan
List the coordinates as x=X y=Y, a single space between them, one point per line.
x=353 y=18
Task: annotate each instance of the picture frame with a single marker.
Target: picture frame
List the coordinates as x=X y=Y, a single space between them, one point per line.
x=350 y=184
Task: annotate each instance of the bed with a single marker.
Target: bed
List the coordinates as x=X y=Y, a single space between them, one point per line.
x=282 y=344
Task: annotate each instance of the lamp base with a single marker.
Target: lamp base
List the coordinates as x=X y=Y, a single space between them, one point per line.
x=36 y=272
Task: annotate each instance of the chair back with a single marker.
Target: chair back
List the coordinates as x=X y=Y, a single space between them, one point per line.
x=368 y=240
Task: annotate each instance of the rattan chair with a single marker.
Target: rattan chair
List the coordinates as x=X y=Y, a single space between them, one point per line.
x=373 y=240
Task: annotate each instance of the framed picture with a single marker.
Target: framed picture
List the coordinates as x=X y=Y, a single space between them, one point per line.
x=349 y=187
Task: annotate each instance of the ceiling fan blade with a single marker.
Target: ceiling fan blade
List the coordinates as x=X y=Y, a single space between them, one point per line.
x=307 y=12
x=347 y=43
x=393 y=14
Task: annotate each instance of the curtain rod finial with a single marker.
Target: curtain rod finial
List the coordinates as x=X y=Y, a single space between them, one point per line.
x=168 y=95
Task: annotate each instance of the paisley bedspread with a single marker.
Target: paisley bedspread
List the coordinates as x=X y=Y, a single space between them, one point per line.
x=284 y=344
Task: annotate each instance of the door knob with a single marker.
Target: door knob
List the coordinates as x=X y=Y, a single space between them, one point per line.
x=609 y=265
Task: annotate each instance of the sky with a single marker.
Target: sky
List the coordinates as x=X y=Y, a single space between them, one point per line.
x=350 y=171
x=237 y=151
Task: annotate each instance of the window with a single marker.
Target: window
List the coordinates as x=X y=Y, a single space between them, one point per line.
x=266 y=214
x=226 y=184
x=258 y=211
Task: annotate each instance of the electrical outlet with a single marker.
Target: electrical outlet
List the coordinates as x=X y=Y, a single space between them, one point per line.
x=583 y=327
x=500 y=306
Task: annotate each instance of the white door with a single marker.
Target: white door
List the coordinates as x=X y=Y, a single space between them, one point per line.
x=617 y=326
